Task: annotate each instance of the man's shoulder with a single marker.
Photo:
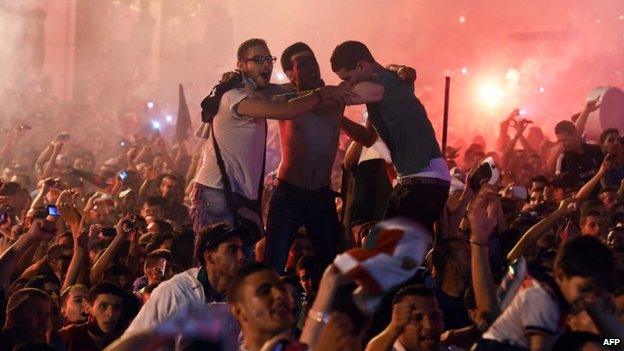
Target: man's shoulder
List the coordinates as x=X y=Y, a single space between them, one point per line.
x=187 y=278
x=386 y=78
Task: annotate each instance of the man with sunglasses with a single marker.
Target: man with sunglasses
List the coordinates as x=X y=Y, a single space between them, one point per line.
x=240 y=131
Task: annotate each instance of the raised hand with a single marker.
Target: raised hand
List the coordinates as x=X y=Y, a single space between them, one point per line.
x=228 y=76
x=592 y=105
x=132 y=153
x=70 y=215
x=401 y=316
x=482 y=221
x=567 y=205
x=42 y=230
x=407 y=73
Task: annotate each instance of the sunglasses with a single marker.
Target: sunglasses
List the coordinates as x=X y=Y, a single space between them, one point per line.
x=259 y=59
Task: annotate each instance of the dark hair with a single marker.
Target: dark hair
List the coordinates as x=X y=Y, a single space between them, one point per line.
x=309 y=263
x=19 y=298
x=605 y=133
x=210 y=237
x=289 y=52
x=10 y=189
x=248 y=44
x=235 y=287
x=586 y=256
x=575 y=341
x=412 y=290
x=540 y=178
x=589 y=213
x=444 y=251
x=163 y=226
x=157 y=240
x=566 y=127
x=105 y=287
x=156 y=200
x=65 y=234
x=348 y=54
x=160 y=253
x=39 y=281
x=291 y=280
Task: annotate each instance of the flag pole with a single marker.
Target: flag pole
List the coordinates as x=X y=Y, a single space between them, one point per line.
x=446 y=114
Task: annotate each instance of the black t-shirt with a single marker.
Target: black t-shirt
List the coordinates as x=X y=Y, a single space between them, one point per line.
x=454 y=309
x=585 y=164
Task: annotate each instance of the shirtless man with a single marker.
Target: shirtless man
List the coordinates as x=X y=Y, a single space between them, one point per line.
x=303 y=195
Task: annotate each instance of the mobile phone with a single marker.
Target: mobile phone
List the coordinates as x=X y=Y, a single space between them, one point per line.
x=122 y=175
x=129 y=225
x=25 y=127
x=53 y=211
x=64 y=136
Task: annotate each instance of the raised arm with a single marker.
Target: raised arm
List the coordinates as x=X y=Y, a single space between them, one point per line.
x=401 y=317
x=40 y=230
x=590 y=107
x=588 y=187
x=536 y=231
x=80 y=255
x=482 y=225
x=100 y=265
x=49 y=167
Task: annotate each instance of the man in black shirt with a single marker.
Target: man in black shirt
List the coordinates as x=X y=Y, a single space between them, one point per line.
x=578 y=157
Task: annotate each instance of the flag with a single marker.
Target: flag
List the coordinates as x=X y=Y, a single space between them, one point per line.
x=183 y=124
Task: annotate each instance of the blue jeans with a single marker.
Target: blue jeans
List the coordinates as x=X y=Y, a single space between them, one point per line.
x=292 y=207
x=208 y=206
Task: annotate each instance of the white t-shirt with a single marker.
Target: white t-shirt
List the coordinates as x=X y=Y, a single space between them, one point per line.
x=377 y=150
x=241 y=141
x=533 y=310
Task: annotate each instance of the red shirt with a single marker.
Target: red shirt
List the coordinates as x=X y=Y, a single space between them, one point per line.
x=85 y=337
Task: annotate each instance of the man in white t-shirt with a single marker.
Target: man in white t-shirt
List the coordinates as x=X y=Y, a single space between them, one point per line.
x=240 y=131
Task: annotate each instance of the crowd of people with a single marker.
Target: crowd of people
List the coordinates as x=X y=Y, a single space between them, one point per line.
x=146 y=243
